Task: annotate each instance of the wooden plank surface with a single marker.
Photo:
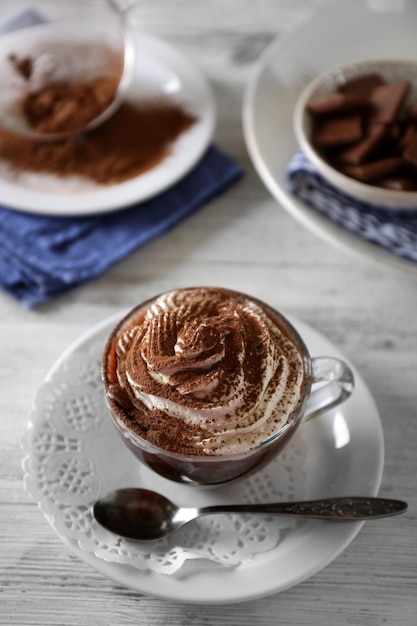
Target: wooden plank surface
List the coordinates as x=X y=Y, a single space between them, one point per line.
x=244 y=240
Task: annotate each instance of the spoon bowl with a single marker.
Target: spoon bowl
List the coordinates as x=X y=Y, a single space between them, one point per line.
x=70 y=51
x=144 y=515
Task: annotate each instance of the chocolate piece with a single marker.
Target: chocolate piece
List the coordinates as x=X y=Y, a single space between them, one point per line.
x=407 y=136
x=362 y=85
x=337 y=103
x=410 y=154
x=374 y=170
x=361 y=151
x=337 y=131
x=394 y=132
x=413 y=112
x=387 y=101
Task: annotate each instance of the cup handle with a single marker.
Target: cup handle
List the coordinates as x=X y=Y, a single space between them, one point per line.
x=340 y=384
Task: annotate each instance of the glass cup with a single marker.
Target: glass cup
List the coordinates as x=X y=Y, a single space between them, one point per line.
x=332 y=376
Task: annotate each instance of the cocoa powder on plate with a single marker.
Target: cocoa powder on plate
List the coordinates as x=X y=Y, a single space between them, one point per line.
x=134 y=140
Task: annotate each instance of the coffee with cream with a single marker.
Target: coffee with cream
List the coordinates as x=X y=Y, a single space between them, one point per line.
x=203 y=372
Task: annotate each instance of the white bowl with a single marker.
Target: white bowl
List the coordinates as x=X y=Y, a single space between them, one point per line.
x=329 y=82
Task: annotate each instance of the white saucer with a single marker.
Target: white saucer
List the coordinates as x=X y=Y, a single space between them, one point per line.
x=160 y=70
x=342 y=455
x=335 y=34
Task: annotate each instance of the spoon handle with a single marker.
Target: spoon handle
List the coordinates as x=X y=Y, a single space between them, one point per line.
x=337 y=509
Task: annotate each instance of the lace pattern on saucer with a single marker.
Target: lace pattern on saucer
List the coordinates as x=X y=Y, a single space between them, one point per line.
x=73 y=455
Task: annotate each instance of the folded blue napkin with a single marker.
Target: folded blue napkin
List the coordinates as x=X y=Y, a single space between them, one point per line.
x=395 y=231
x=44 y=257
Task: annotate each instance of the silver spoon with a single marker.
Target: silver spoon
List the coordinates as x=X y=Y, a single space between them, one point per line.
x=144 y=515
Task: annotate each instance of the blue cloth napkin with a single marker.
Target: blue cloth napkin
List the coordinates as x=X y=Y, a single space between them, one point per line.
x=44 y=257
x=395 y=231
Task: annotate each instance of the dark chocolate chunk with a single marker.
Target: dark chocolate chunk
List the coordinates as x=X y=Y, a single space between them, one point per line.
x=410 y=154
x=330 y=132
x=362 y=85
x=406 y=138
x=336 y=103
x=361 y=151
x=387 y=101
x=374 y=170
x=413 y=112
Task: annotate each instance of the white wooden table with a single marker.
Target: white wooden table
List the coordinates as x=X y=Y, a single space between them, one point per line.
x=242 y=240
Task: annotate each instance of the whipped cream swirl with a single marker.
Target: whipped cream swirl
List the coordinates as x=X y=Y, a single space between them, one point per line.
x=206 y=371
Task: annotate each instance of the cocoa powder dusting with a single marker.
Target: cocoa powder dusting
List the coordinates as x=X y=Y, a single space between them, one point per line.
x=134 y=140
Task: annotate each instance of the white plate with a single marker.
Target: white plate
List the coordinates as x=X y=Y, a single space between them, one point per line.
x=344 y=456
x=336 y=34
x=160 y=70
